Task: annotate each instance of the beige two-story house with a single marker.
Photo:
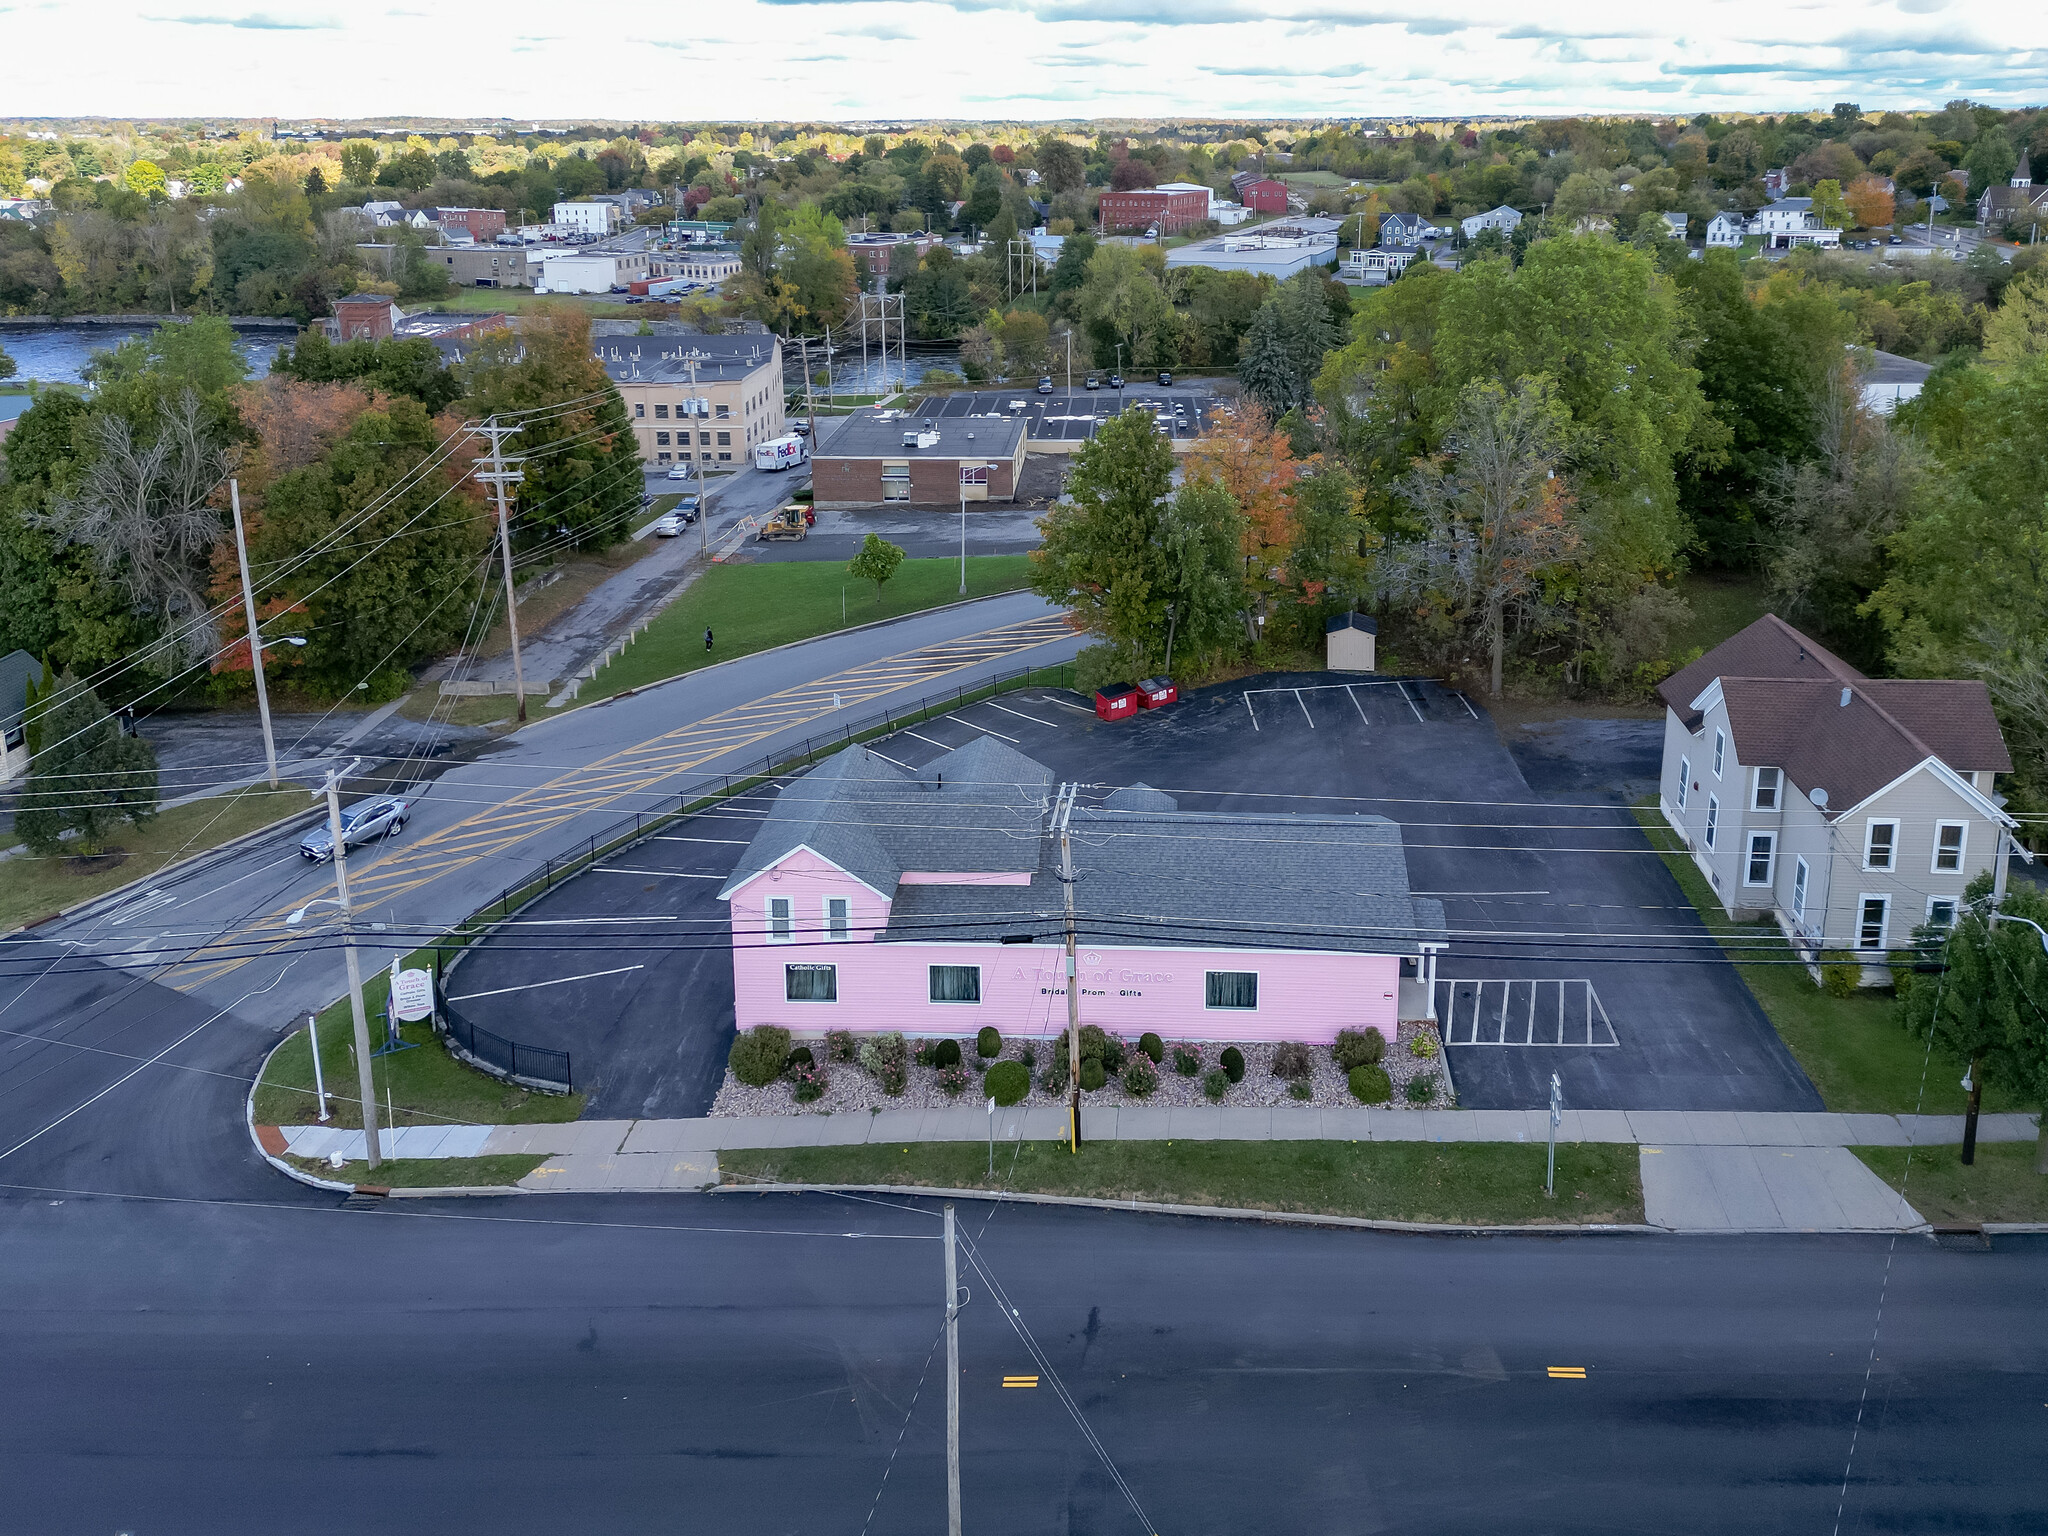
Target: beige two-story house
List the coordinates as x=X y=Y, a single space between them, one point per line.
x=1852 y=809
x=698 y=400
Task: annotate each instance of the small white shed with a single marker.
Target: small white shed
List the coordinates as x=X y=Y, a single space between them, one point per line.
x=1350 y=640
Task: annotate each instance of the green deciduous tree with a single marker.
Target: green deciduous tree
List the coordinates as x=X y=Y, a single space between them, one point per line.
x=395 y=365
x=359 y=161
x=876 y=561
x=87 y=778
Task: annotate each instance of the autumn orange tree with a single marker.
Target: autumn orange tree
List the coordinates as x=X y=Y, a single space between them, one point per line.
x=1870 y=201
x=1250 y=459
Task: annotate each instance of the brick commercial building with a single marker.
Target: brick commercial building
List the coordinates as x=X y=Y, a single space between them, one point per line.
x=882 y=456
x=1260 y=194
x=483 y=224
x=365 y=317
x=1172 y=209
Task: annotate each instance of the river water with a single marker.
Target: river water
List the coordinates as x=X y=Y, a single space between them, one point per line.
x=57 y=354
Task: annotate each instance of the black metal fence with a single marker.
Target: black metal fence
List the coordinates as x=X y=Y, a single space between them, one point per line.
x=534 y=1065
x=549 y=1069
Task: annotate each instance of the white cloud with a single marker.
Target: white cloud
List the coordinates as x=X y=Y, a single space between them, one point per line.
x=913 y=59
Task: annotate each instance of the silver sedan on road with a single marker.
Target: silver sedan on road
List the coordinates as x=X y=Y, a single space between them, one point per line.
x=361 y=822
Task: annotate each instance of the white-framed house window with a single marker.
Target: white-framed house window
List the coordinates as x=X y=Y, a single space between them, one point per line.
x=1941 y=911
x=1765 y=788
x=838 y=917
x=1720 y=751
x=810 y=983
x=1684 y=776
x=956 y=983
x=1880 y=844
x=1873 y=920
x=1762 y=854
x=781 y=919
x=1231 y=989
x=1951 y=838
x=1713 y=819
x=1799 y=890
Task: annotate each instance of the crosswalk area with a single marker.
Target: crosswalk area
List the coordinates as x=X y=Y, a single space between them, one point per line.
x=1525 y=1012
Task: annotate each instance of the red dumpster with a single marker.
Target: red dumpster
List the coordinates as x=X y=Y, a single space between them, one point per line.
x=1155 y=692
x=1116 y=701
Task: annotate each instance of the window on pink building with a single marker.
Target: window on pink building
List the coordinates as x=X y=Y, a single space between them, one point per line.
x=838 y=913
x=810 y=983
x=780 y=925
x=1233 y=989
x=956 y=983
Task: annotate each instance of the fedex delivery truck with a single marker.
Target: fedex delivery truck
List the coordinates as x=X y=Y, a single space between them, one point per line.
x=782 y=453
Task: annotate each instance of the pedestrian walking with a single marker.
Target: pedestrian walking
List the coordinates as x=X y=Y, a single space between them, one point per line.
x=707 y=637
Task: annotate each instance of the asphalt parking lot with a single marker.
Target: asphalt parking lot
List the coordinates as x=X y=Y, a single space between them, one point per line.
x=1522 y=872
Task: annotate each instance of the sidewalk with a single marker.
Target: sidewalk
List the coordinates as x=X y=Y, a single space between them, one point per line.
x=1702 y=1172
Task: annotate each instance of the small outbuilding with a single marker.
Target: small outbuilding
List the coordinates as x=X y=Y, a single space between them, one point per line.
x=1350 y=641
x=906 y=456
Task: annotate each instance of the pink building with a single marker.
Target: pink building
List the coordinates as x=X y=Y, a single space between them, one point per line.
x=873 y=899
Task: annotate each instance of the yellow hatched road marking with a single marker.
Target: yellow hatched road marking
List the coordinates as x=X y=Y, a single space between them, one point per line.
x=495 y=831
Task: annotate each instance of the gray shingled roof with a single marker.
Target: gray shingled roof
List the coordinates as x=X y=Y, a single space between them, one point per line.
x=1148 y=873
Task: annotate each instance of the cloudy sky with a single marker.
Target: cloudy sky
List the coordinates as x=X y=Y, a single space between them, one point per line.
x=867 y=59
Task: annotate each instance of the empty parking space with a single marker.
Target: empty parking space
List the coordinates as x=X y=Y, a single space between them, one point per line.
x=1074 y=415
x=1378 y=702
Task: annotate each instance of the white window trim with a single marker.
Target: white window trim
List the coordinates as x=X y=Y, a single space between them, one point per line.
x=1756 y=781
x=811 y=1002
x=1884 y=932
x=1720 y=751
x=953 y=1002
x=1955 y=905
x=838 y=938
x=1962 y=849
x=1801 y=876
x=1770 y=842
x=1713 y=826
x=1869 y=827
x=1258 y=987
x=1684 y=774
x=768 y=919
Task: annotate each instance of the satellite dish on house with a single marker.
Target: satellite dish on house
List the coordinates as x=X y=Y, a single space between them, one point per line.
x=1819 y=797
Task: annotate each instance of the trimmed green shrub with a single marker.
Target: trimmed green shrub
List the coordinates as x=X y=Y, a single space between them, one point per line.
x=1141 y=1078
x=1423 y=1047
x=877 y=1052
x=1054 y=1081
x=1187 y=1061
x=988 y=1044
x=1152 y=1047
x=1369 y=1084
x=758 y=1055
x=807 y=1082
x=946 y=1054
x=1232 y=1062
x=954 y=1080
x=1092 y=1075
x=1028 y=1055
x=840 y=1046
x=1093 y=1041
x=1007 y=1082
x=1301 y=1089
x=1421 y=1090
x=1292 y=1061
x=1841 y=980
x=1215 y=1083
x=1113 y=1053
x=1358 y=1048
x=800 y=1057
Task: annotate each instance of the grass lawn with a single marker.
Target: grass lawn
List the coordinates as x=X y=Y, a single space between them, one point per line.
x=426 y=703
x=428 y=1172
x=32 y=887
x=1853 y=1048
x=2000 y=1186
x=1721 y=605
x=752 y=607
x=1490 y=1184
x=423 y=1087
x=510 y=301
x=1311 y=179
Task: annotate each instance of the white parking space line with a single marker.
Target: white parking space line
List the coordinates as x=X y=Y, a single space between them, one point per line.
x=1410 y=703
x=667 y=874
x=1468 y=705
x=1311 y=719
x=669 y=837
x=992 y=704
x=1348 y=689
x=963 y=720
x=885 y=757
x=1079 y=709
x=907 y=731
x=1250 y=711
x=559 y=981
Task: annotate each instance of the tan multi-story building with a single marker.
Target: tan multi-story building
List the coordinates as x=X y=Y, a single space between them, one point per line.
x=698 y=400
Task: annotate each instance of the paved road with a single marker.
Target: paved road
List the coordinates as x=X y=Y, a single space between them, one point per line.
x=742 y=1364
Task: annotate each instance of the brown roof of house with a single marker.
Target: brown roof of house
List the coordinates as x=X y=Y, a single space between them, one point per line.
x=1768 y=648
x=1794 y=705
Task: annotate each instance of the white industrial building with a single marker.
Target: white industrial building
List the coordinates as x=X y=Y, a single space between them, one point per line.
x=1277 y=250
x=585 y=272
x=587 y=218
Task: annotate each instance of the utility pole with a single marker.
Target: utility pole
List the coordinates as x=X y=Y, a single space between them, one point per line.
x=255 y=639
x=1070 y=367
x=498 y=477
x=952 y=1381
x=365 y=1083
x=1063 y=815
x=810 y=403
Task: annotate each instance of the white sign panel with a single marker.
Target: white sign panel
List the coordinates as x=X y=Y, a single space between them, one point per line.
x=412 y=995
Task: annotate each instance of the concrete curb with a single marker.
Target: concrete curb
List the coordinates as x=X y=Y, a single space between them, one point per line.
x=1217 y=1212
x=283 y=1167
x=176 y=867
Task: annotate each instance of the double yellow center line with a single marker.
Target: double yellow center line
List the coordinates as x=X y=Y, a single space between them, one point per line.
x=1020 y=1381
x=1567 y=1373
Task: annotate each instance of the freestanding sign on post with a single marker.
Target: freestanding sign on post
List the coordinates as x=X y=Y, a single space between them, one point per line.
x=1556 y=1119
